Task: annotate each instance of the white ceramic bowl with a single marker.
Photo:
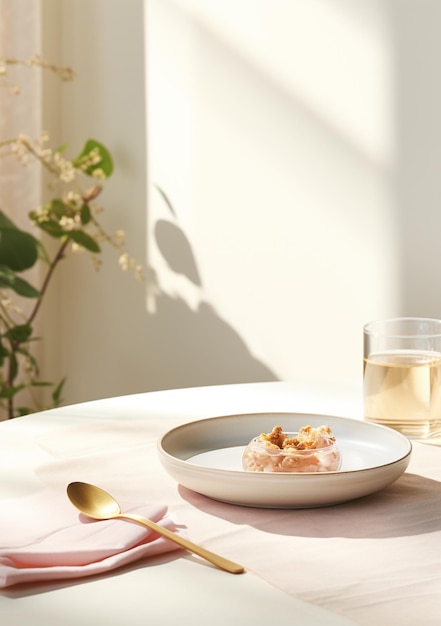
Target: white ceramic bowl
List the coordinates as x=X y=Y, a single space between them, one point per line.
x=206 y=456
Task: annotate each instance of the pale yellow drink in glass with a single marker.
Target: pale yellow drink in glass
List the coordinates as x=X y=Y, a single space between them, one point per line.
x=403 y=390
x=402 y=375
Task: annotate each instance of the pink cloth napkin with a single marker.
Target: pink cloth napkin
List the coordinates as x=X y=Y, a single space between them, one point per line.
x=43 y=537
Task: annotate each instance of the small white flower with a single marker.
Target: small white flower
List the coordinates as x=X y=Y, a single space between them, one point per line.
x=119 y=238
x=98 y=173
x=68 y=223
x=44 y=138
x=66 y=171
x=72 y=198
x=124 y=261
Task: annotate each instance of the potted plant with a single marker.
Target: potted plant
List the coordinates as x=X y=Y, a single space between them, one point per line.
x=72 y=220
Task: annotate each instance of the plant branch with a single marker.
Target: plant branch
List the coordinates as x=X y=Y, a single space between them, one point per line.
x=15 y=343
x=47 y=279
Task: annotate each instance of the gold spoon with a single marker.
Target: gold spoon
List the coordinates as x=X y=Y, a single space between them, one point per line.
x=98 y=504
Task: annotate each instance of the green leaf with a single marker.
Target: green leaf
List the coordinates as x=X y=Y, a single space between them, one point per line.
x=19 y=333
x=58 y=208
x=8 y=280
x=18 y=249
x=3 y=353
x=36 y=218
x=5 y=222
x=42 y=253
x=56 y=395
x=104 y=163
x=10 y=392
x=85 y=214
x=52 y=228
x=62 y=148
x=7 y=276
x=25 y=289
x=84 y=240
x=21 y=411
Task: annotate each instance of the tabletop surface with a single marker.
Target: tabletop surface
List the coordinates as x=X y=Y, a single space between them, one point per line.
x=371 y=560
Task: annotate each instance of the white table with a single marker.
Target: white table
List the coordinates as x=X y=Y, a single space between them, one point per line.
x=372 y=561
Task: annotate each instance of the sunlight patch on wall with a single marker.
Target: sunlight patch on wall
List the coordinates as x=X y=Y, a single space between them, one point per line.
x=333 y=56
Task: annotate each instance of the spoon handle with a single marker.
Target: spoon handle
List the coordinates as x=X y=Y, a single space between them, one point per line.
x=216 y=559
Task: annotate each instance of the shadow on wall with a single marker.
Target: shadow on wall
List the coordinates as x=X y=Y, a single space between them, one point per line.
x=191 y=345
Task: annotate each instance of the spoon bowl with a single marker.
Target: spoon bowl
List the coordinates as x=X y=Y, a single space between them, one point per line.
x=100 y=505
x=93 y=501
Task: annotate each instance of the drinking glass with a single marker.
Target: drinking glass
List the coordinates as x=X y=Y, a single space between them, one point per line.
x=402 y=375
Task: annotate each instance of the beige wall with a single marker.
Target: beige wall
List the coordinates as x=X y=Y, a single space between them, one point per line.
x=297 y=144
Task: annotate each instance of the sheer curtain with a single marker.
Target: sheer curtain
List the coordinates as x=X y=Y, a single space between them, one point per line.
x=20 y=104
x=20 y=112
